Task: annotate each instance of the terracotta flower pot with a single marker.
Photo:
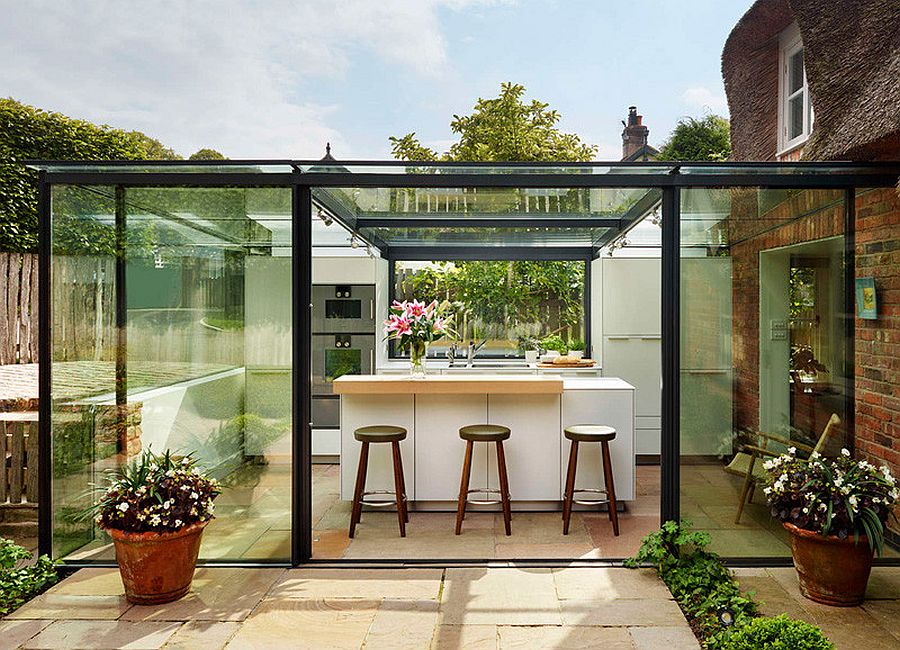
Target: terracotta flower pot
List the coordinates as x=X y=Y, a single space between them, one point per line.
x=157 y=568
x=832 y=571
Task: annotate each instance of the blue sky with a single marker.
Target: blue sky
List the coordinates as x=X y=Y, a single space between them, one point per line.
x=277 y=78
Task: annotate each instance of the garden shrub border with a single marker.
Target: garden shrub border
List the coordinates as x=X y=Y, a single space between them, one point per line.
x=20 y=582
x=720 y=614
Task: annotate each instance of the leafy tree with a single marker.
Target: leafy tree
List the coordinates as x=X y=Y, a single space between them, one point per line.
x=707 y=138
x=206 y=154
x=29 y=133
x=504 y=129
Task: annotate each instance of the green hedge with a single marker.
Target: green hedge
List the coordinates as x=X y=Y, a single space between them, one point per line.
x=29 y=133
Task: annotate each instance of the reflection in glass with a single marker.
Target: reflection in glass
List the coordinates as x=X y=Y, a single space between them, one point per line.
x=763 y=351
x=202 y=366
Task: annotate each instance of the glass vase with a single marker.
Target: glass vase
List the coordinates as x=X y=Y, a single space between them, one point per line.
x=417 y=350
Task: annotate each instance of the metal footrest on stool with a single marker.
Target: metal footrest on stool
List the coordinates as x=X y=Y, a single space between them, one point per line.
x=384 y=503
x=590 y=502
x=484 y=502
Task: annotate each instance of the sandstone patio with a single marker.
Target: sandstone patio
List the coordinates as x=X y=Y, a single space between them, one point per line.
x=497 y=607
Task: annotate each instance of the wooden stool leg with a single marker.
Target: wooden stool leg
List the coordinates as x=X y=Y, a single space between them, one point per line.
x=356 y=512
x=610 y=488
x=403 y=485
x=464 y=487
x=570 y=486
x=398 y=488
x=745 y=490
x=504 y=487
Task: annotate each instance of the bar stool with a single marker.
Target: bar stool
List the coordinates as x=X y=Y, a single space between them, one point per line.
x=483 y=433
x=590 y=433
x=377 y=434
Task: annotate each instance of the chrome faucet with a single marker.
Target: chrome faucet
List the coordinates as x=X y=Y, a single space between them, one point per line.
x=472 y=351
x=452 y=352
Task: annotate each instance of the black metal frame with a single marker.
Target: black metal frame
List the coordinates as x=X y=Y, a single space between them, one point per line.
x=669 y=177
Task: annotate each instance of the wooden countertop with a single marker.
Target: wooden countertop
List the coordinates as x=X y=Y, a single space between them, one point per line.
x=448 y=385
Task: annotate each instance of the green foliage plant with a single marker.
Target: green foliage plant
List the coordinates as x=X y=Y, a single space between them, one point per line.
x=576 y=344
x=704 y=588
x=19 y=581
x=779 y=633
x=704 y=139
x=555 y=342
x=29 y=133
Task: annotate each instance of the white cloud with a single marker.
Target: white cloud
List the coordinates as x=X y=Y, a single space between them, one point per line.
x=237 y=76
x=703 y=98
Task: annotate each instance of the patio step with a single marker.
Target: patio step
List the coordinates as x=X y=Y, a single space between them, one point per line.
x=17 y=530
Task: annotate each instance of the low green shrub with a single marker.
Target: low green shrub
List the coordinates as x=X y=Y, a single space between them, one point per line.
x=709 y=596
x=698 y=580
x=555 y=342
x=18 y=585
x=779 y=633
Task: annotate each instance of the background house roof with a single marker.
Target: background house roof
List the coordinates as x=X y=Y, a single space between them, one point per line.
x=852 y=56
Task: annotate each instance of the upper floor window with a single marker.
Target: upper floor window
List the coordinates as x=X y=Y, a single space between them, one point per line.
x=795 y=109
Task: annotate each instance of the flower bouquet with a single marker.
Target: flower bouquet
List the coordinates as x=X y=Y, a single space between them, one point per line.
x=414 y=325
x=835 y=510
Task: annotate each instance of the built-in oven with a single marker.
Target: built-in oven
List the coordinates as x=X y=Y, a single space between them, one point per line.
x=343 y=308
x=335 y=355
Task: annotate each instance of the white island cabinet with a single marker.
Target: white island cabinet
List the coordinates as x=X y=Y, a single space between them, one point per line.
x=535 y=408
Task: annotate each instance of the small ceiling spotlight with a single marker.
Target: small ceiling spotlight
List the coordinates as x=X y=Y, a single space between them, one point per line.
x=354 y=241
x=656 y=220
x=325 y=217
x=369 y=251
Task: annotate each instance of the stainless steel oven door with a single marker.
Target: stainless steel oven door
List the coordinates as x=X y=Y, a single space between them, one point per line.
x=335 y=355
x=343 y=308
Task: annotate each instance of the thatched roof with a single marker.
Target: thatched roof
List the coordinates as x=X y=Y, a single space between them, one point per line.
x=852 y=56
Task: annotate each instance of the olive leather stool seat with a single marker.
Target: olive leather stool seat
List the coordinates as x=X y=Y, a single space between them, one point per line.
x=376 y=434
x=589 y=433
x=484 y=433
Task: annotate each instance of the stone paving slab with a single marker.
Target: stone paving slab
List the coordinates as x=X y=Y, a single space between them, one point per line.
x=394 y=609
x=103 y=634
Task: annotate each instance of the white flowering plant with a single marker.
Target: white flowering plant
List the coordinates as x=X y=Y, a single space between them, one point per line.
x=838 y=496
x=156 y=493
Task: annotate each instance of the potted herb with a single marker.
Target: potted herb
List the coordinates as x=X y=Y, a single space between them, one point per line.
x=576 y=348
x=835 y=510
x=530 y=346
x=555 y=343
x=414 y=325
x=155 y=510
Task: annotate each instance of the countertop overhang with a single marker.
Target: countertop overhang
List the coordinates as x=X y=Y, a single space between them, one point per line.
x=448 y=385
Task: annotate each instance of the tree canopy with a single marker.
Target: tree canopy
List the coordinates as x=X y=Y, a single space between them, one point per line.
x=27 y=133
x=502 y=299
x=706 y=138
x=505 y=128
x=206 y=154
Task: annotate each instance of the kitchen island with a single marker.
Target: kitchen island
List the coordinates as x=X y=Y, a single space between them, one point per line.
x=535 y=408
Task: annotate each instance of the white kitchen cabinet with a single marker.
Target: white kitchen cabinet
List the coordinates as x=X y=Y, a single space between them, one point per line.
x=632 y=288
x=530 y=461
x=613 y=408
x=439 y=460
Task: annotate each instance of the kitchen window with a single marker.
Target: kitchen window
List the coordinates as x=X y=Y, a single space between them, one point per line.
x=504 y=303
x=795 y=117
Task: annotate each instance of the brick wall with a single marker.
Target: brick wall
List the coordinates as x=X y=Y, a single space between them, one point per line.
x=878 y=341
x=799 y=217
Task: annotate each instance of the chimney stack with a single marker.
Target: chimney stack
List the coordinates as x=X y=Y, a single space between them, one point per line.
x=634 y=137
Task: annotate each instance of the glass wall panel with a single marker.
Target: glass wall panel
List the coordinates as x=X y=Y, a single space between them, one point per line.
x=763 y=351
x=205 y=355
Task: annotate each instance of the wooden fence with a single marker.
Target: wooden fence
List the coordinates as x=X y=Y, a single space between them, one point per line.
x=18 y=308
x=18 y=449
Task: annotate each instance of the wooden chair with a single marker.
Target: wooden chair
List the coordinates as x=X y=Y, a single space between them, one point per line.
x=745 y=462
